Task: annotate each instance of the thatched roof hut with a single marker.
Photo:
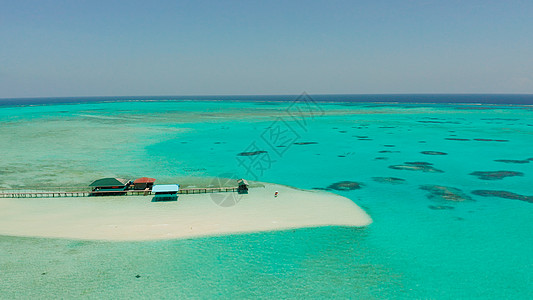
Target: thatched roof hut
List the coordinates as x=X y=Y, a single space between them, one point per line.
x=109 y=187
x=110 y=183
x=243 y=186
x=143 y=183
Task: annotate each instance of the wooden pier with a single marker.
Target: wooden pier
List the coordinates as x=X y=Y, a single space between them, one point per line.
x=207 y=190
x=80 y=193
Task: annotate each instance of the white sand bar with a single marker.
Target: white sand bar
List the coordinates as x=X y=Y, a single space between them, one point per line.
x=125 y=218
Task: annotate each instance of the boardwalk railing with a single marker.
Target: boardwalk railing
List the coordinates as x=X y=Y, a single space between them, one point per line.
x=207 y=190
x=72 y=192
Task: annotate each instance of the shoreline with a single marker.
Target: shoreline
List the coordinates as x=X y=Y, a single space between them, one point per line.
x=136 y=218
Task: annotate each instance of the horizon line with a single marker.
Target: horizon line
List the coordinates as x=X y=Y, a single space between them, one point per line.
x=267 y=95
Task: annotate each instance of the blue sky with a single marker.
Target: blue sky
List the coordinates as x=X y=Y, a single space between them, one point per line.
x=112 y=48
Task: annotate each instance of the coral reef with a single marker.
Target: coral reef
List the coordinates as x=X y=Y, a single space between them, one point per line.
x=503 y=194
x=251 y=153
x=417 y=166
x=445 y=193
x=345 y=186
x=495 y=175
x=434 y=153
x=393 y=180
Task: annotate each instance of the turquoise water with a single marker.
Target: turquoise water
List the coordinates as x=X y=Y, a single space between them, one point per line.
x=477 y=248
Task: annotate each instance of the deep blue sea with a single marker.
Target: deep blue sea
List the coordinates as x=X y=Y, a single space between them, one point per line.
x=447 y=184
x=516 y=99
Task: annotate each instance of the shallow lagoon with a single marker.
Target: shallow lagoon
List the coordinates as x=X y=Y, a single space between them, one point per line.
x=476 y=248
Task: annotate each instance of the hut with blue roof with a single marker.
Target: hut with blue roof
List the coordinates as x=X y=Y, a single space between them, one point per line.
x=165 y=192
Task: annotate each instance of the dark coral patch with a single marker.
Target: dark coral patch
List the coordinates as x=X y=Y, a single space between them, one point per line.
x=412 y=167
x=381 y=158
x=251 y=153
x=503 y=194
x=393 y=180
x=490 y=140
x=495 y=175
x=305 y=143
x=499 y=119
x=390 y=146
x=434 y=153
x=320 y=189
x=439 y=122
x=345 y=186
x=388 y=151
x=446 y=193
x=418 y=163
x=440 y=207
x=457 y=139
x=513 y=161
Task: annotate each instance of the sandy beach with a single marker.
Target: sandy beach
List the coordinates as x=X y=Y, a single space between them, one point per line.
x=129 y=218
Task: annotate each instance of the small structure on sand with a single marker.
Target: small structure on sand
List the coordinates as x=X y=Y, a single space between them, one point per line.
x=109 y=186
x=243 y=186
x=143 y=183
x=165 y=192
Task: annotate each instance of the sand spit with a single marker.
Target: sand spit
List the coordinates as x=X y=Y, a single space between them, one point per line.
x=128 y=218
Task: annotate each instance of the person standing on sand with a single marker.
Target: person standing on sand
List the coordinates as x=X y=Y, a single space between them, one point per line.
x=276 y=194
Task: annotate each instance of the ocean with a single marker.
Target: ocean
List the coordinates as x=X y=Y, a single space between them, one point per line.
x=445 y=178
x=515 y=99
